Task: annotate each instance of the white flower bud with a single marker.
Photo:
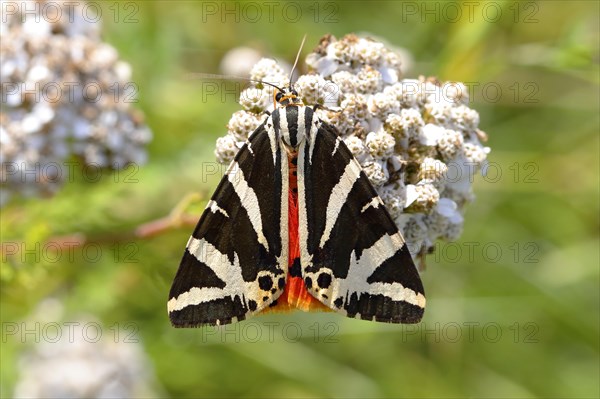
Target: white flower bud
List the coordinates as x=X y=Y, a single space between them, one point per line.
x=242 y=124
x=380 y=144
x=464 y=118
x=475 y=153
x=341 y=52
x=346 y=82
x=356 y=147
x=456 y=92
x=439 y=113
x=407 y=124
x=449 y=144
x=256 y=100
x=376 y=172
x=381 y=105
x=369 y=52
x=369 y=80
x=432 y=171
x=268 y=70
x=341 y=120
x=226 y=149
x=355 y=105
x=313 y=89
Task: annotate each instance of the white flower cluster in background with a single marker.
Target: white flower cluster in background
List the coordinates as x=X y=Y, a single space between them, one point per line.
x=82 y=359
x=65 y=96
x=416 y=139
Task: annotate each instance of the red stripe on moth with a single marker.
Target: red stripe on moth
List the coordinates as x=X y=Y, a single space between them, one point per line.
x=295 y=295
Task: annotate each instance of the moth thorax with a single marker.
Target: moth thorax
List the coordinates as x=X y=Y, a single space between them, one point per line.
x=292 y=139
x=291 y=121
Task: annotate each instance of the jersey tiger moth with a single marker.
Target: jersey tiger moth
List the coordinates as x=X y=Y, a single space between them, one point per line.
x=295 y=223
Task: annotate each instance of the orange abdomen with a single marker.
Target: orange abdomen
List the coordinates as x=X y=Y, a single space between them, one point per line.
x=295 y=296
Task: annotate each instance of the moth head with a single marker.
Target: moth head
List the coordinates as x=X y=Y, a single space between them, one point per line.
x=286 y=96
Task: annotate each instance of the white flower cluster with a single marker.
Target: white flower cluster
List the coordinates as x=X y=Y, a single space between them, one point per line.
x=416 y=139
x=65 y=93
x=81 y=358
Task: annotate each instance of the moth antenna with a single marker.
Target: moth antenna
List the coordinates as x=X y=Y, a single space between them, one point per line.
x=296 y=62
x=200 y=75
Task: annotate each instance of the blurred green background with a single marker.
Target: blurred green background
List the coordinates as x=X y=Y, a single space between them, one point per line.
x=513 y=307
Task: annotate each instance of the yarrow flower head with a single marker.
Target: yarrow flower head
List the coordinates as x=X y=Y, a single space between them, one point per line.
x=407 y=134
x=81 y=362
x=65 y=94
